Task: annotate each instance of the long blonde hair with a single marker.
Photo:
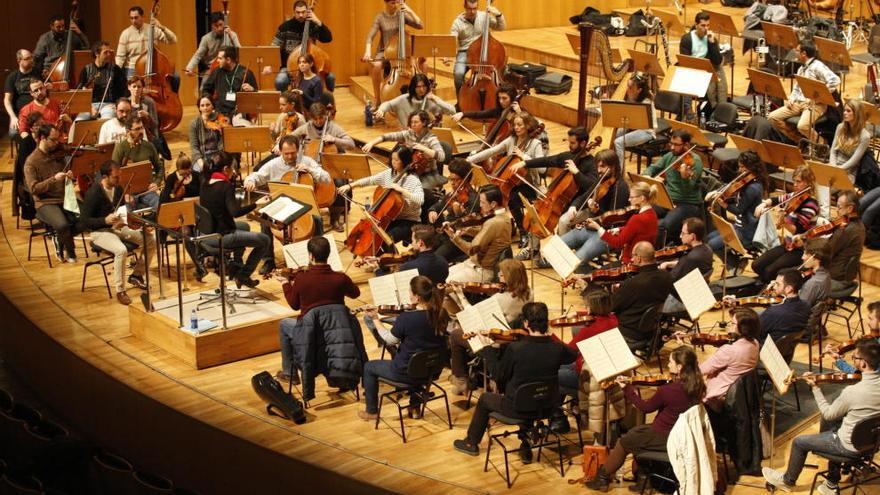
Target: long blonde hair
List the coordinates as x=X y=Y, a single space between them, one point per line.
x=649 y=192
x=515 y=277
x=848 y=134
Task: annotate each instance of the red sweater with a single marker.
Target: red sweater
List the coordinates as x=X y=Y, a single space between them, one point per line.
x=601 y=324
x=640 y=227
x=317 y=286
x=51 y=113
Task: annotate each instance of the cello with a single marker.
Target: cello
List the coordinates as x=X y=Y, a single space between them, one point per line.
x=402 y=65
x=486 y=63
x=59 y=77
x=304 y=226
x=323 y=67
x=158 y=71
x=325 y=192
x=364 y=239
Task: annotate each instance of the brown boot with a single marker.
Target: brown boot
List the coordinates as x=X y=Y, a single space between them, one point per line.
x=123 y=298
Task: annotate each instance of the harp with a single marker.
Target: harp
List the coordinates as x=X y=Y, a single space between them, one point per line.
x=596 y=68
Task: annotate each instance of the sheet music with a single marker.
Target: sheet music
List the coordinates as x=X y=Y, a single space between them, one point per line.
x=297 y=254
x=482 y=316
x=470 y=320
x=401 y=280
x=281 y=209
x=695 y=294
x=691 y=82
x=775 y=365
x=607 y=355
x=561 y=257
x=384 y=290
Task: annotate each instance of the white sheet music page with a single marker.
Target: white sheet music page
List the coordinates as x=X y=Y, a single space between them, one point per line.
x=491 y=313
x=607 y=355
x=401 y=280
x=470 y=320
x=334 y=260
x=776 y=366
x=296 y=255
x=281 y=209
x=561 y=257
x=384 y=290
x=695 y=294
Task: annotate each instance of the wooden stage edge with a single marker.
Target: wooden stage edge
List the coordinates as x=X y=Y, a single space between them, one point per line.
x=161 y=424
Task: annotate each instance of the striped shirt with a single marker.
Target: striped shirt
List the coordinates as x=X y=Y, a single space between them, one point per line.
x=804 y=217
x=429 y=139
x=412 y=206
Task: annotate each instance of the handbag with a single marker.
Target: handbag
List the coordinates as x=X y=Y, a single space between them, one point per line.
x=70 y=202
x=594 y=456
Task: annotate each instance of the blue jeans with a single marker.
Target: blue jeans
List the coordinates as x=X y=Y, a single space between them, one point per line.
x=825 y=442
x=568 y=377
x=672 y=220
x=869 y=206
x=148 y=200
x=586 y=242
x=372 y=371
x=237 y=242
x=107 y=110
x=459 y=69
x=632 y=138
x=282 y=81
x=285 y=335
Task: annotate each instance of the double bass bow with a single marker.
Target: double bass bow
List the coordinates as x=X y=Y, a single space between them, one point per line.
x=323 y=66
x=485 y=63
x=59 y=77
x=158 y=71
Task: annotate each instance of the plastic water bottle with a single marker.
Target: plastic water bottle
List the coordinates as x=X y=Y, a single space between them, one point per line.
x=368 y=113
x=193 y=320
x=702 y=120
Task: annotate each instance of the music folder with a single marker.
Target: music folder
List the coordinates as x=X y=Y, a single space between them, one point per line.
x=606 y=355
x=284 y=210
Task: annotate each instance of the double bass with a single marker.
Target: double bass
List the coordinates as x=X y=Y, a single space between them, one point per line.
x=485 y=62
x=215 y=64
x=402 y=65
x=158 y=71
x=323 y=67
x=59 y=77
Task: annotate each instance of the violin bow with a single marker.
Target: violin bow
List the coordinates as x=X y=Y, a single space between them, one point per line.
x=472 y=133
x=677 y=161
x=69 y=159
x=454 y=192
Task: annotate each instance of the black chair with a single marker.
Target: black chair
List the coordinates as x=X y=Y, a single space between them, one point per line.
x=104 y=259
x=422 y=370
x=815 y=329
x=724 y=114
x=658 y=468
x=570 y=407
x=650 y=324
x=46 y=232
x=786 y=346
x=535 y=403
x=843 y=304
x=866 y=439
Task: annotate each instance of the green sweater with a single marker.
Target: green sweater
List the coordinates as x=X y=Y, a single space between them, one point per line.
x=144 y=152
x=680 y=190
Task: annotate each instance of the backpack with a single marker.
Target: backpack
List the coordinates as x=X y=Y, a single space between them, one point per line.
x=636 y=26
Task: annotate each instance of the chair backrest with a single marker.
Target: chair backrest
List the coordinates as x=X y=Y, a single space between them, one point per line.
x=866 y=435
x=650 y=319
x=447 y=150
x=425 y=364
x=874 y=41
x=817 y=316
x=725 y=113
x=536 y=397
x=666 y=101
x=204 y=220
x=787 y=344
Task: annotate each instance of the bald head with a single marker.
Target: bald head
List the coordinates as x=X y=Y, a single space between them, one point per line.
x=645 y=251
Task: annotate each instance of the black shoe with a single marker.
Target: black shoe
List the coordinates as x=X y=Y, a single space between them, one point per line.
x=525 y=453
x=465 y=447
x=59 y=249
x=233 y=268
x=137 y=281
x=268 y=267
x=246 y=282
x=601 y=482
x=201 y=273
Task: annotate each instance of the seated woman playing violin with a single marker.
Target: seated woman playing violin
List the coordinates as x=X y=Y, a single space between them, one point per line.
x=206 y=133
x=801 y=210
x=670 y=401
x=750 y=186
x=517 y=293
x=288 y=120
x=185 y=182
x=680 y=170
x=731 y=361
x=524 y=144
x=461 y=201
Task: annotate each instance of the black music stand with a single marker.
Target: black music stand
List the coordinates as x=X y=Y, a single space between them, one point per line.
x=346 y=167
x=768 y=85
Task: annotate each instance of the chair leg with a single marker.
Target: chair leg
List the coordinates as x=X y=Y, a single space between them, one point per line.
x=83 y=286
x=488 y=449
x=379 y=412
x=448 y=412
x=507 y=468
x=46 y=245
x=797 y=396
x=85 y=247
x=106 y=280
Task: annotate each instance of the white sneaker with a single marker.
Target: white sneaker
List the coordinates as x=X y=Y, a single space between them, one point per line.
x=775 y=478
x=824 y=489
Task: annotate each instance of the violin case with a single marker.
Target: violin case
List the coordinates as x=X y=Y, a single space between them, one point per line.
x=553 y=83
x=279 y=402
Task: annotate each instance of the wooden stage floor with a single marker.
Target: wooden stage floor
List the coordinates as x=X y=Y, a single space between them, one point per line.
x=96 y=329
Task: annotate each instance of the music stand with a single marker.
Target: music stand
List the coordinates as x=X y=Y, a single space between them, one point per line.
x=730 y=241
x=831 y=176
x=872 y=114
x=663 y=200
x=687 y=81
x=138 y=175
x=174 y=216
x=816 y=91
x=768 y=85
x=251 y=140
x=783 y=155
x=697 y=136
x=347 y=167
x=90 y=129
x=87 y=162
x=81 y=58
x=300 y=193
x=626 y=115
x=646 y=62
x=780 y=36
x=259 y=57
x=670 y=21
x=80 y=100
x=697 y=63
x=479 y=177
x=445 y=134
x=743 y=143
x=434 y=45
x=257 y=102
x=722 y=24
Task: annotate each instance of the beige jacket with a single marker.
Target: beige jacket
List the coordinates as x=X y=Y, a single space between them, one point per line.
x=133 y=43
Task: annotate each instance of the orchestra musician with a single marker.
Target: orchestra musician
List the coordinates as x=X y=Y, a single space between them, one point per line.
x=44 y=177
x=48 y=107
x=792 y=314
x=307 y=83
x=52 y=44
x=274 y=171
x=872 y=321
x=800 y=220
x=731 y=361
x=109 y=229
x=425 y=258
x=135 y=148
x=206 y=133
x=638 y=89
x=134 y=39
x=817 y=256
x=288 y=120
x=386 y=24
x=463 y=200
x=682 y=182
x=647 y=289
x=699 y=257
x=609 y=193
x=504 y=99
x=17 y=88
x=421 y=96
x=229 y=79
x=798 y=104
x=468 y=28
x=524 y=143
x=145 y=108
x=741 y=205
x=113 y=130
x=701 y=42
x=422 y=329
x=598 y=305
x=317 y=285
x=856 y=403
x=106 y=80
x=21 y=197
x=537 y=356
x=288 y=38
x=851 y=139
x=490 y=242
x=408 y=185
x=670 y=401
x=218 y=197
x=846 y=244
x=185 y=182
x=211 y=43
x=512 y=300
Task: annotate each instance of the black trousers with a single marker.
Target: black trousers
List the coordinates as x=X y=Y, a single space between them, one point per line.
x=489 y=402
x=63 y=222
x=773 y=260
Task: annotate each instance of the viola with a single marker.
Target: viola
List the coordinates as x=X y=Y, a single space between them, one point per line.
x=180 y=188
x=714 y=340
x=572 y=321
x=386 y=309
x=734 y=187
x=819 y=230
x=470 y=220
x=485 y=62
x=60 y=74
x=752 y=301
x=385 y=260
x=560 y=193
x=501 y=334
x=485 y=288
x=642 y=380
x=604 y=276
x=323 y=66
x=605 y=185
x=834 y=378
x=685 y=161
x=217 y=122
x=364 y=240
x=289 y=273
x=672 y=253
x=158 y=71
x=615 y=218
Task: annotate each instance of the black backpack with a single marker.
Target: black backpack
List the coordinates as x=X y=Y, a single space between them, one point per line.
x=868 y=175
x=635 y=26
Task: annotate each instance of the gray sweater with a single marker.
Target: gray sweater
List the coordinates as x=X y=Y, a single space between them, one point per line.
x=855 y=404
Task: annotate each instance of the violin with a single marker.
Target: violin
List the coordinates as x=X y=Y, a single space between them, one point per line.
x=714 y=340
x=751 y=301
x=641 y=381
x=672 y=253
x=158 y=71
x=819 y=230
x=732 y=188
x=501 y=334
x=59 y=78
x=469 y=220
x=364 y=239
x=180 y=188
x=615 y=218
x=833 y=378
x=323 y=66
x=385 y=309
x=572 y=321
x=605 y=185
x=847 y=346
x=289 y=273
x=605 y=276
x=217 y=122
x=485 y=288
x=485 y=65
x=560 y=193
x=685 y=161
x=385 y=260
